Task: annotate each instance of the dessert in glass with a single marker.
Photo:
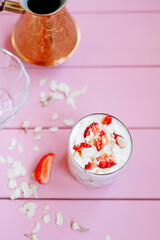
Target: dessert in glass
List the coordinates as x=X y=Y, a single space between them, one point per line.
x=99 y=147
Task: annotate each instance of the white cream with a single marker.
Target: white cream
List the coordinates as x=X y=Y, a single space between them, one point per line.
x=120 y=152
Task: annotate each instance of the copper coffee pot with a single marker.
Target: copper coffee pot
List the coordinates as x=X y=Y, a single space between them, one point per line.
x=43 y=39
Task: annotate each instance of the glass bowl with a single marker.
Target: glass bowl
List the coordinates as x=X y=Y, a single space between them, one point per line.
x=14 y=83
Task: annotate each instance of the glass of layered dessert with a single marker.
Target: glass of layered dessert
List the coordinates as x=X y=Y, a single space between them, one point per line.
x=99 y=147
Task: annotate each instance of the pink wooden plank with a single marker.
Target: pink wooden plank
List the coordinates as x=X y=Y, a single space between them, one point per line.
x=112 y=6
x=119 y=219
x=126 y=39
x=130 y=94
x=115 y=5
x=138 y=179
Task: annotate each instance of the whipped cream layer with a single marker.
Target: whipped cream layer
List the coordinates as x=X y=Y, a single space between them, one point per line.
x=116 y=144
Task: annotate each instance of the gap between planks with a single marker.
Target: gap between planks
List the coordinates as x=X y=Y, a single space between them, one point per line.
x=82 y=199
x=69 y=128
x=106 y=12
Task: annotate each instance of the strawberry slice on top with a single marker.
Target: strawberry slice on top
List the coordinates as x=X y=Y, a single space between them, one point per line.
x=43 y=170
x=80 y=147
x=93 y=127
x=105 y=161
x=106 y=120
x=101 y=140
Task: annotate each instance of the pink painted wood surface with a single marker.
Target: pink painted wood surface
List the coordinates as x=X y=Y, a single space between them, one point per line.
x=130 y=94
x=139 y=178
x=119 y=219
x=114 y=5
x=126 y=39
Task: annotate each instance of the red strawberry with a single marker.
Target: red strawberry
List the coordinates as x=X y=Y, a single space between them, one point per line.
x=107 y=120
x=43 y=170
x=101 y=140
x=105 y=161
x=92 y=127
x=80 y=147
x=89 y=166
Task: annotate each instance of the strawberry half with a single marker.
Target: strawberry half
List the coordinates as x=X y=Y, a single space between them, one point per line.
x=80 y=147
x=107 y=120
x=101 y=140
x=105 y=161
x=43 y=170
x=92 y=127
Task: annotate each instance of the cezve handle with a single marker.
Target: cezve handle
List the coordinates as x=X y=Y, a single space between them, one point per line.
x=11 y=6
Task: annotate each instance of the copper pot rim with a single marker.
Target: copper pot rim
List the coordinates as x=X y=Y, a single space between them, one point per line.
x=43 y=15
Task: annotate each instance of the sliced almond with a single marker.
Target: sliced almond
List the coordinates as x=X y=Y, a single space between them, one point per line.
x=59 y=219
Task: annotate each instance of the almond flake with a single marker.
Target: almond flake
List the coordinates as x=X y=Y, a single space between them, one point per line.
x=57 y=96
x=2 y=159
x=59 y=219
x=37 y=138
x=20 y=148
x=16 y=170
x=46 y=208
x=15 y=194
x=53 y=129
x=42 y=82
x=42 y=100
x=63 y=87
x=26 y=190
x=34 y=188
x=121 y=142
x=36 y=148
x=12 y=183
x=54 y=117
x=31 y=212
x=37 y=129
x=71 y=101
x=107 y=237
x=69 y=122
x=9 y=159
x=29 y=205
x=53 y=85
x=44 y=103
x=31 y=236
x=75 y=226
x=36 y=228
x=42 y=94
x=22 y=209
x=46 y=219
x=13 y=143
x=25 y=125
x=78 y=92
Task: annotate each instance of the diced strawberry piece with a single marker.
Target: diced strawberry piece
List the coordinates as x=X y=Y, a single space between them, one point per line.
x=107 y=120
x=89 y=166
x=43 y=170
x=105 y=161
x=101 y=140
x=92 y=127
x=80 y=147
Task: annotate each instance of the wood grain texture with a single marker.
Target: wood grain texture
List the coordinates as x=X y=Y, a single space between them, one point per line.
x=107 y=40
x=138 y=179
x=119 y=219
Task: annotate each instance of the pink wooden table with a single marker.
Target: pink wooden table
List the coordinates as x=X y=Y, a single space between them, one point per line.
x=119 y=60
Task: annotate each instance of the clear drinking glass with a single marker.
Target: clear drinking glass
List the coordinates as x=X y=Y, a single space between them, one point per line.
x=14 y=83
x=88 y=177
